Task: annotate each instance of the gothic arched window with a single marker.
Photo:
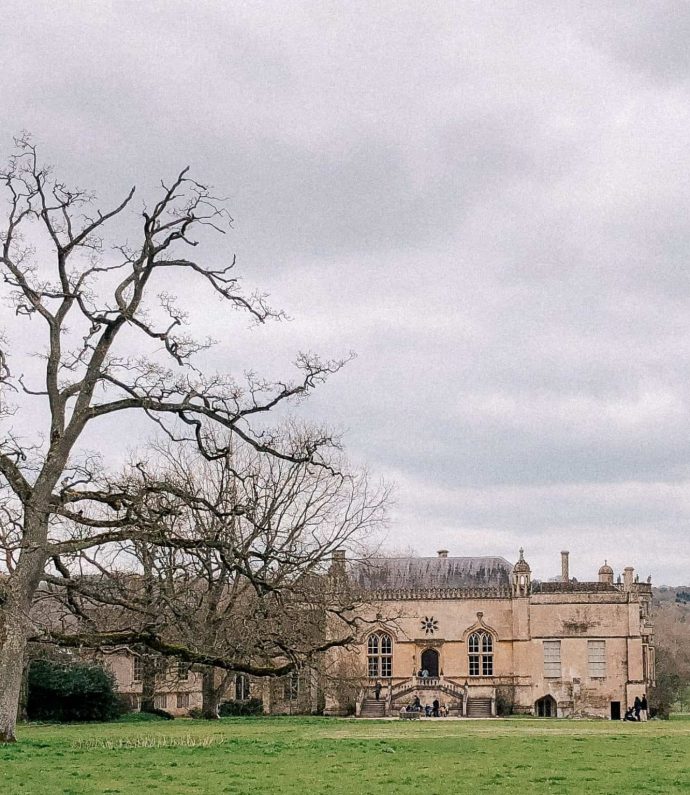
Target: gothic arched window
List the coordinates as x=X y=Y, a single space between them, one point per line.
x=380 y=655
x=480 y=649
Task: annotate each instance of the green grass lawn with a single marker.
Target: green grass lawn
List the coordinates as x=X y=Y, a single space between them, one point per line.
x=327 y=755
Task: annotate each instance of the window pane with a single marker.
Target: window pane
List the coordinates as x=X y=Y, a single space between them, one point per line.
x=474 y=644
x=474 y=665
x=241 y=687
x=487 y=665
x=291 y=687
x=373 y=644
x=386 y=644
x=386 y=666
x=596 y=650
x=373 y=666
x=487 y=643
x=552 y=659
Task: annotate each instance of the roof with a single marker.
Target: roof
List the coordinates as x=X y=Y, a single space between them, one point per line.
x=438 y=572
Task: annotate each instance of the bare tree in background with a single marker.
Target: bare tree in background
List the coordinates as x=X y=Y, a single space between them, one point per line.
x=238 y=576
x=87 y=308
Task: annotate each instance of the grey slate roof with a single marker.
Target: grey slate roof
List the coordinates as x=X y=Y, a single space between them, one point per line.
x=437 y=572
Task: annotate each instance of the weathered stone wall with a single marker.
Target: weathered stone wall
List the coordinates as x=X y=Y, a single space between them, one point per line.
x=571 y=615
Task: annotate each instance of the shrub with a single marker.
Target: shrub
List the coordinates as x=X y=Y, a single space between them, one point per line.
x=254 y=706
x=159 y=713
x=139 y=717
x=72 y=691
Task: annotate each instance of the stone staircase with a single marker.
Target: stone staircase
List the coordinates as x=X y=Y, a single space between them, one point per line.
x=478 y=707
x=371 y=708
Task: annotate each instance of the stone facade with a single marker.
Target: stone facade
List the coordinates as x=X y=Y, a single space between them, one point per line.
x=481 y=637
x=489 y=638
x=178 y=688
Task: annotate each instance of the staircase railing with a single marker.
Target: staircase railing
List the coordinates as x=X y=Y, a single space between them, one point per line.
x=426 y=683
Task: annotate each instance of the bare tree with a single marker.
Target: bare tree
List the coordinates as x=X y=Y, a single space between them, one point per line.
x=239 y=573
x=672 y=652
x=107 y=351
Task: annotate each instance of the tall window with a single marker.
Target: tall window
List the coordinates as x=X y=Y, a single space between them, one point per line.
x=552 y=659
x=596 y=657
x=291 y=687
x=380 y=655
x=161 y=701
x=182 y=670
x=138 y=669
x=182 y=700
x=480 y=647
x=241 y=687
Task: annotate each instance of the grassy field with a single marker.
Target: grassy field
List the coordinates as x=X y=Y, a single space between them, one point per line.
x=322 y=755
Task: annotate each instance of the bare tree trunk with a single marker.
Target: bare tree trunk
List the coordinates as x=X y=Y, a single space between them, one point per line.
x=15 y=627
x=13 y=638
x=22 y=713
x=210 y=695
x=148 y=683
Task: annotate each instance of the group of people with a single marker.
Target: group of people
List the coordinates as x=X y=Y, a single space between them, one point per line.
x=434 y=710
x=639 y=709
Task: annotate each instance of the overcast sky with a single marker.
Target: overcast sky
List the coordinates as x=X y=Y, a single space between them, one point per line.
x=487 y=201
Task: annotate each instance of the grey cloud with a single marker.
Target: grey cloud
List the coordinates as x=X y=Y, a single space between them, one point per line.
x=650 y=38
x=489 y=204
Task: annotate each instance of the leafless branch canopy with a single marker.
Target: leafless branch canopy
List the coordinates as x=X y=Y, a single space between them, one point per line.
x=141 y=542
x=230 y=562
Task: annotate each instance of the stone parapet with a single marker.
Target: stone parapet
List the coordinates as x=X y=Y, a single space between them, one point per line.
x=576 y=587
x=395 y=594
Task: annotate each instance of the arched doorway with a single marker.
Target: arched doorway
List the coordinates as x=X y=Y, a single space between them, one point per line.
x=545 y=707
x=430 y=661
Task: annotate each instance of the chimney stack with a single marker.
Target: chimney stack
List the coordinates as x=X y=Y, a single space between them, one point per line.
x=565 y=574
x=442 y=553
x=628 y=573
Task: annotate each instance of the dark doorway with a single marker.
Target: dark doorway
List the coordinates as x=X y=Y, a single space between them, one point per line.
x=430 y=661
x=545 y=707
x=615 y=710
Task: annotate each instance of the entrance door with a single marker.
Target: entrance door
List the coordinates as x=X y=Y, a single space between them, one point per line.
x=430 y=661
x=615 y=710
x=545 y=707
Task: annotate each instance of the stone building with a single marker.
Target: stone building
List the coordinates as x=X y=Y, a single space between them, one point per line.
x=178 y=686
x=478 y=634
x=481 y=636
